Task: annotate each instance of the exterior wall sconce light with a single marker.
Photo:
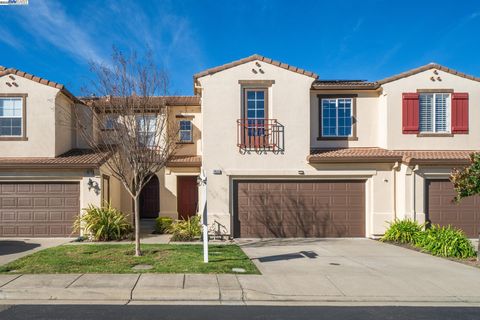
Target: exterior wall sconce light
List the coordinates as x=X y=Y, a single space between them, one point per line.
x=93 y=185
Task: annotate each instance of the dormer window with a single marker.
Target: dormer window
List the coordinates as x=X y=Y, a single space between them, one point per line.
x=434 y=112
x=11 y=117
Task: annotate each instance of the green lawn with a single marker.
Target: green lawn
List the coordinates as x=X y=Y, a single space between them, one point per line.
x=119 y=258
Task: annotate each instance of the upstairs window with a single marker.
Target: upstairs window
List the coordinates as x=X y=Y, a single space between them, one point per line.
x=110 y=122
x=186 y=131
x=434 y=112
x=147 y=130
x=336 y=117
x=11 y=117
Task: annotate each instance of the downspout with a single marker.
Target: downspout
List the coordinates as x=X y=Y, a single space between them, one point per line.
x=394 y=168
x=414 y=193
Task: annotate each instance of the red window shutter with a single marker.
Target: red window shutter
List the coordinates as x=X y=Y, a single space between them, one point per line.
x=460 y=112
x=410 y=113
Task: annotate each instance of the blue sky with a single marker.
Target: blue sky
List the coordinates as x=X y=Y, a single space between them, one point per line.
x=336 y=39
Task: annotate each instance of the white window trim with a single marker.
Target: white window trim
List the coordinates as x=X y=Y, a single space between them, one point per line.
x=21 y=117
x=336 y=124
x=448 y=101
x=190 y=131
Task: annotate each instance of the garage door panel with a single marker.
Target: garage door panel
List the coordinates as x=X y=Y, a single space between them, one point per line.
x=300 y=209
x=8 y=203
x=38 y=209
x=442 y=211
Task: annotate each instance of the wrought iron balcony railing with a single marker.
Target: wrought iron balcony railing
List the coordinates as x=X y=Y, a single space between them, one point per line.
x=260 y=135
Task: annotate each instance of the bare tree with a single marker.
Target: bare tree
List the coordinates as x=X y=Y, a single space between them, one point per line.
x=131 y=121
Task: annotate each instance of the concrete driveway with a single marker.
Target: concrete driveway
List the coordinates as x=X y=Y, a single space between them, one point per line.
x=14 y=248
x=356 y=269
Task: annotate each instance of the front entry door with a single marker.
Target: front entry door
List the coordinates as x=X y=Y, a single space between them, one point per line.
x=150 y=199
x=187 y=196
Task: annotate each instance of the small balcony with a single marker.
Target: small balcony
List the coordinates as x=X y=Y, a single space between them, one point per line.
x=260 y=135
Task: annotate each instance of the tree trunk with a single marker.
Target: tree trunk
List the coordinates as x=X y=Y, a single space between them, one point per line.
x=138 y=252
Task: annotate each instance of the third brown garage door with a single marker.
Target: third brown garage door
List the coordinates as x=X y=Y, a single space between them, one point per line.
x=440 y=210
x=265 y=209
x=40 y=209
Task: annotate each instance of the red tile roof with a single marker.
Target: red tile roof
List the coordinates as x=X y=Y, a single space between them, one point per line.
x=75 y=158
x=353 y=155
x=350 y=155
x=6 y=71
x=437 y=156
x=160 y=100
x=185 y=161
x=253 y=58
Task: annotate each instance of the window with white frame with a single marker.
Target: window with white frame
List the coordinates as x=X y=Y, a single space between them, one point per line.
x=11 y=117
x=147 y=130
x=434 y=112
x=336 y=117
x=110 y=122
x=186 y=131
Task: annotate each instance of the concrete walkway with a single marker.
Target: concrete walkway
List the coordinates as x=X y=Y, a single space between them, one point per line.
x=293 y=272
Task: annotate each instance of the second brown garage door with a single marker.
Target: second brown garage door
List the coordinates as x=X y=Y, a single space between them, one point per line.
x=43 y=209
x=265 y=209
x=441 y=210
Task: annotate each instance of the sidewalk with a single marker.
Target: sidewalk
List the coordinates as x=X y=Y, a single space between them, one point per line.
x=204 y=289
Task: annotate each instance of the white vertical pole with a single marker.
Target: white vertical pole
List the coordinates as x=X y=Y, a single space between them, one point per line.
x=203 y=178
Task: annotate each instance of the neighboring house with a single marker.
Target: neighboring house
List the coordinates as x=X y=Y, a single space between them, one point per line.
x=48 y=174
x=285 y=153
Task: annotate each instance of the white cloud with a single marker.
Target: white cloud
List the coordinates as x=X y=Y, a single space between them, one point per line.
x=48 y=22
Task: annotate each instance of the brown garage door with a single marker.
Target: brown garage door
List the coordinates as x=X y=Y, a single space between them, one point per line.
x=299 y=209
x=440 y=209
x=45 y=209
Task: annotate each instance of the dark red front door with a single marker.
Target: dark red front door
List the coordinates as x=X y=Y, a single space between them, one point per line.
x=187 y=196
x=150 y=199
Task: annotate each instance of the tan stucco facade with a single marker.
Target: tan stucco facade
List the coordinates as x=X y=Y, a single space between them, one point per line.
x=393 y=189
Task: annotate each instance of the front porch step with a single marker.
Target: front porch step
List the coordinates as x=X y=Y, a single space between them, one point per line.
x=147 y=226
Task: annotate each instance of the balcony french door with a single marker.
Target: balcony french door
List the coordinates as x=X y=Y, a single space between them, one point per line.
x=255 y=118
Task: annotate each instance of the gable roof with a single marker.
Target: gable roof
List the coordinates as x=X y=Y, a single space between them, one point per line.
x=253 y=58
x=6 y=71
x=425 y=68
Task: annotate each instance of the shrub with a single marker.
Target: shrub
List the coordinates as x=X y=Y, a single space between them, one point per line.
x=163 y=224
x=446 y=242
x=103 y=223
x=403 y=231
x=186 y=230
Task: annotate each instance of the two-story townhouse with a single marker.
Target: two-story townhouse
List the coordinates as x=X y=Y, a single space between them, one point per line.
x=288 y=154
x=285 y=153
x=48 y=174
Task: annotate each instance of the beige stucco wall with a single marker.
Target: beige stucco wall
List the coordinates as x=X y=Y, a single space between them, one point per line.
x=393 y=94
x=192 y=113
x=65 y=133
x=40 y=119
x=288 y=102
